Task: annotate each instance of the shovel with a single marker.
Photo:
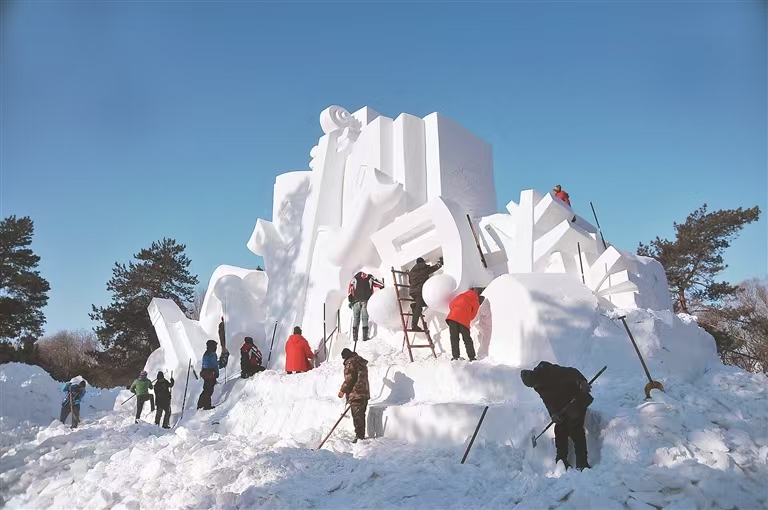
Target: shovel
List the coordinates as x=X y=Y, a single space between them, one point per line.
x=535 y=437
x=652 y=385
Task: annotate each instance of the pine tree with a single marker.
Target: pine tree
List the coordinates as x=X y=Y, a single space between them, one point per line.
x=695 y=258
x=23 y=292
x=125 y=330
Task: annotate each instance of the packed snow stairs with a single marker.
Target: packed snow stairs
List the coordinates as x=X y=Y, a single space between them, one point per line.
x=401 y=275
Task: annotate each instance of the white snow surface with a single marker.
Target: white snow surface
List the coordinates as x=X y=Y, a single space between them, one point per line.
x=30 y=400
x=702 y=444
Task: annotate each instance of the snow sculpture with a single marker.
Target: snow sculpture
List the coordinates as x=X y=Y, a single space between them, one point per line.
x=381 y=193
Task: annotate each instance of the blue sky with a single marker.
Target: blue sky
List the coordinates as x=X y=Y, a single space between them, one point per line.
x=126 y=122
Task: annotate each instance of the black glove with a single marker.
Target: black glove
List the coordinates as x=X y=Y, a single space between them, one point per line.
x=172 y=381
x=440 y=260
x=558 y=418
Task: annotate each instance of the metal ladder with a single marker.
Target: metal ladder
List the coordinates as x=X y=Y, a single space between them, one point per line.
x=397 y=276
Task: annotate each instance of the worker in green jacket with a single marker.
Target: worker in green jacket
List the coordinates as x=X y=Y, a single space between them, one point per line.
x=140 y=388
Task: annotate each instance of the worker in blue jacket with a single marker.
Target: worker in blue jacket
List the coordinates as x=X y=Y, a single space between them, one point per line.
x=209 y=373
x=71 y=402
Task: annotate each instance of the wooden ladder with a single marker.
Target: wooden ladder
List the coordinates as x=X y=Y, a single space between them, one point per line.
x=397 y=276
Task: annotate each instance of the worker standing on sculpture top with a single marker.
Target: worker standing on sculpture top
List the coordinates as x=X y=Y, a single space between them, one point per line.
x=360 y=291
x=562 y=194
x=417 y=276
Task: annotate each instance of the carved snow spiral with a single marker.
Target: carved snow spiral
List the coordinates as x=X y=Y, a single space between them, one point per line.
x=336 y=117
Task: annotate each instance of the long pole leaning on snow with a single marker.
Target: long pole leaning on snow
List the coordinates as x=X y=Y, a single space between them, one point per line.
x=535 y=438
x=477 y=241
x=184 y=400
x=334 y=427
x=581 y=263
x=652 y=385
x=131 y=397
x=325 y=349
x=274 y=330
x=477 y=429
x=605 y=246
x=72 y=404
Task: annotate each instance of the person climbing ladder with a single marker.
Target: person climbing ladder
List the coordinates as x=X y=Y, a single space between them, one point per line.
x=417 y=276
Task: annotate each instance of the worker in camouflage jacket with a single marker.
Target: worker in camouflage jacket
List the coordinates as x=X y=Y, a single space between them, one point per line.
x=355 y=387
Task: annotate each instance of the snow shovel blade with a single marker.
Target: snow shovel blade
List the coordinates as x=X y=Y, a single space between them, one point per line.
x=653 y=385
x=533 y=440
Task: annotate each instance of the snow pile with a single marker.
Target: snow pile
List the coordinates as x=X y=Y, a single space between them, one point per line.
x=701 y=445
x=30 y=398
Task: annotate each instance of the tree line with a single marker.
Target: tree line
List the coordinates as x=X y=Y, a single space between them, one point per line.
x=118 y=346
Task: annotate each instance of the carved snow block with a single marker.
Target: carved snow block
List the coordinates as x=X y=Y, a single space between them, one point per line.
x=409 y=161
x=459 y=166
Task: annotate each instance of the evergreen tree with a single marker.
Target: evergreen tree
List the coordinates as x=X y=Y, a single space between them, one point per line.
x=695 y=258
x=23 y=292
x=125 y=330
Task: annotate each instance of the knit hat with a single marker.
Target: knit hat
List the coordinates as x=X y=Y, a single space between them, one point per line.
x=557 y=189
x=248 y=340
x=421 y=260
x=296 y=330
x=211 y=345
x=160 y=375
x=346 y=354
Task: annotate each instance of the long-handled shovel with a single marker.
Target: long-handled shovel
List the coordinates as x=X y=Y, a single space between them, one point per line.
x=534 y=438
x=334 y=427
x=652 y=385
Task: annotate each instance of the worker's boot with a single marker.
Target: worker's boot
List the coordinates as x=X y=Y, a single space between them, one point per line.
x=580 y=445
x=365 y=334
x=354 y=335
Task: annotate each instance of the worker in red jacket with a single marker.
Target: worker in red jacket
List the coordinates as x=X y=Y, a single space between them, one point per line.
x=464 y=308
x=297 y=353
x=562 y=194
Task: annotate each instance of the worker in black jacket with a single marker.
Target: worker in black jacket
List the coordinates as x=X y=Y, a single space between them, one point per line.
x=417 y=276
x=566 y=393
x=163 y=399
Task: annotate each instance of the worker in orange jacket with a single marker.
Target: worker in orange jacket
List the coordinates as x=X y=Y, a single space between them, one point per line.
x=463 y=308
x=297 y=353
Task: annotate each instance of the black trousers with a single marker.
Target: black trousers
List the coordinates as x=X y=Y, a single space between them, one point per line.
x=417 y=307
x=454 y=329
x=140 y=399
x=572 y=427
x=247 y=370
x=75 y=415
x=164 y=408
x=204 y=401
x=358 y=408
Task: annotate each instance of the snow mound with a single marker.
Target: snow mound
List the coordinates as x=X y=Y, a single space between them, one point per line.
x=30 y=398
